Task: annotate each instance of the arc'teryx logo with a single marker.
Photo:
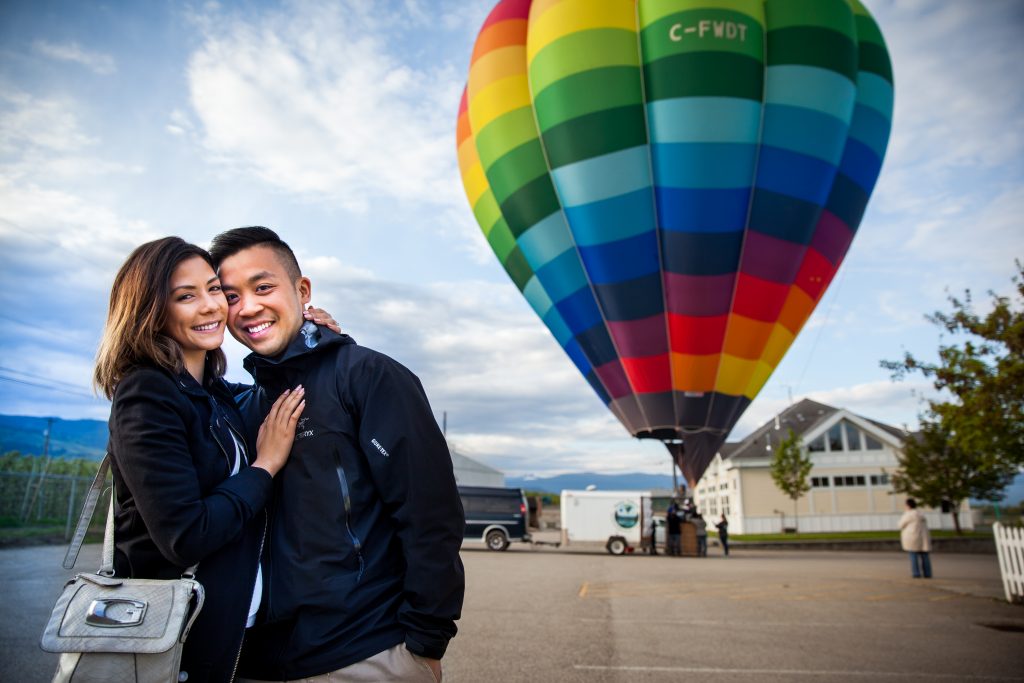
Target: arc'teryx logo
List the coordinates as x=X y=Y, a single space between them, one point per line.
x=300 y=430
x=380 y=448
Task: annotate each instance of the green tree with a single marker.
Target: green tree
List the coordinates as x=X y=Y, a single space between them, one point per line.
x=789 y=468
x=935 y=470
x=977 y=424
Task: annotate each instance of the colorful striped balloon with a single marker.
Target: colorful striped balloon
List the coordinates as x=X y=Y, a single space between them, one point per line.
x=672 y=185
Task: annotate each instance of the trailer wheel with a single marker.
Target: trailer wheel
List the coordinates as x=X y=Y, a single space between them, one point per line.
x=616 y=545
x=496 y=540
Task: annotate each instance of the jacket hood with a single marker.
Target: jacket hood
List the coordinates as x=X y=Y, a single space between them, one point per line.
x=312 y=338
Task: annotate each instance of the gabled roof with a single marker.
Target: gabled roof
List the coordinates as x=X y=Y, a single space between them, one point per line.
x=467 y=464
x=801 y=417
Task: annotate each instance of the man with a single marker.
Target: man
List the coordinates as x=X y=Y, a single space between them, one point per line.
x=675 y=530
x=361 y=567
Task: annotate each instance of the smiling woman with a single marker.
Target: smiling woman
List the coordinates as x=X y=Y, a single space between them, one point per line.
x=187 y=493
x=195 y=313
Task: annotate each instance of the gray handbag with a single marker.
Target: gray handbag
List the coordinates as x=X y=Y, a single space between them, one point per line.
x=116 y=629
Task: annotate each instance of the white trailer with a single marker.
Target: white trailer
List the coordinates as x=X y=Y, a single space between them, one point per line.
x=621 y=520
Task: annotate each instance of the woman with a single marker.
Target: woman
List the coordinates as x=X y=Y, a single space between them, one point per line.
x=916 y=540
x=187 y=489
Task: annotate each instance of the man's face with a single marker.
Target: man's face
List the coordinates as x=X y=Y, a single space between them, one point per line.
x=264 y=303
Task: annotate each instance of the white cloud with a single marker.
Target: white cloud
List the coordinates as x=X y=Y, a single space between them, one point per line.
x=950 y=189
x=47 y=123
x=316 y=101
x=894 y=403
x=953 y=98
x=97 y=62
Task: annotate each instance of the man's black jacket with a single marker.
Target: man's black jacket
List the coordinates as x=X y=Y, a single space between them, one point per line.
x=172 y=452
x=366 y=520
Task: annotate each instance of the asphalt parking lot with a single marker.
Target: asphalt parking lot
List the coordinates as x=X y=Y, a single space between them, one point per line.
x=537 y=614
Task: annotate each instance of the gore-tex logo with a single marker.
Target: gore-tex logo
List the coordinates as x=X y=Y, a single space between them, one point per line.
x=380 y=448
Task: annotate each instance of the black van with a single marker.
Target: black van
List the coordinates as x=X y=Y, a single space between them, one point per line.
x=495 y=516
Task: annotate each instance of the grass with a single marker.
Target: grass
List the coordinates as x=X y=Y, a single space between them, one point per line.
x=851 y=536
x=47 y=534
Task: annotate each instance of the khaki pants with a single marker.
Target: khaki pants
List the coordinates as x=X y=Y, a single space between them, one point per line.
x=393 y=664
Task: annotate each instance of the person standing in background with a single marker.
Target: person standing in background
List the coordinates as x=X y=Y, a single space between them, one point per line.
x=674 y=527
x=702 y=534
x=916 y=540
x=723 y=534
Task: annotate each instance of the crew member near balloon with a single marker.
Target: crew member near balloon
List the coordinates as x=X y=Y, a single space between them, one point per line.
x=362 y=574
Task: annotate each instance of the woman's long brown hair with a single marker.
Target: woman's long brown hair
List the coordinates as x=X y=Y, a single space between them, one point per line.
x=138 y=311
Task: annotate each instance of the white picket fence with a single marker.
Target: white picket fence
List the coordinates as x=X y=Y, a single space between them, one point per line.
x=1010 y=547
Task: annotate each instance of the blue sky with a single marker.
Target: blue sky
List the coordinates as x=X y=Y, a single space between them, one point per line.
x=334 y=123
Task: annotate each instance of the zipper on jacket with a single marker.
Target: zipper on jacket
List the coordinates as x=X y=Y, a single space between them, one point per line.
x=343 y=481
x=222 y=449
x=259 y=558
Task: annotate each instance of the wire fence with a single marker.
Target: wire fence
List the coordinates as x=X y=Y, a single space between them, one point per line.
x=33 y=499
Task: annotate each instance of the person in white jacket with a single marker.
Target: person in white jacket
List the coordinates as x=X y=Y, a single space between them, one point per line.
x=915 y=540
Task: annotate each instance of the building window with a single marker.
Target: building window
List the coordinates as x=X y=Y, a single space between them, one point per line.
x=835 y=438
x=818 y=445
x=852 y=437
x=871 y=443
x=849 y=480
x=879 y=479
x=837 y=481
x=819 y=482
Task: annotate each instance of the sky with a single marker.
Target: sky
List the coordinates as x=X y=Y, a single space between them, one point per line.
x=334 y=124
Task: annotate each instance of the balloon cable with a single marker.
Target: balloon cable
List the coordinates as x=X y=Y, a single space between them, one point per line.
x=824 y=323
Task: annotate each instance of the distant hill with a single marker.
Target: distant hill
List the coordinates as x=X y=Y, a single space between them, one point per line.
x=1014 y=493
x=68 y=438
x=635 y=481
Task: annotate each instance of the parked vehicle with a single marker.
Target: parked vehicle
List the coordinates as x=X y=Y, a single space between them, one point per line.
x=495 y=516
x=622 y=520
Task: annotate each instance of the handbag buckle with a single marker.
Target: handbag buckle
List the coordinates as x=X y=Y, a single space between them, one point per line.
x=115 y=612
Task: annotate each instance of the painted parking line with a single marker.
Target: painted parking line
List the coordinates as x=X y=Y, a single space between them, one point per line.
x=847 y=590
x=930 y=626
x=831 y=673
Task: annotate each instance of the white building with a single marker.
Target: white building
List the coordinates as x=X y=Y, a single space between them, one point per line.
x=469 y=472
x=850 y=489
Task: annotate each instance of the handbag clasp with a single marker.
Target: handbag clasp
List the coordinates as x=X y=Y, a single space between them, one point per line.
x=115 y=612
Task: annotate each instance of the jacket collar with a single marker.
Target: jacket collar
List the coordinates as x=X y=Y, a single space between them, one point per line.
x=189 y=385
x=311 y=339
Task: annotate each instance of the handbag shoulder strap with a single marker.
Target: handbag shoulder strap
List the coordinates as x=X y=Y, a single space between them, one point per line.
x=88 y=509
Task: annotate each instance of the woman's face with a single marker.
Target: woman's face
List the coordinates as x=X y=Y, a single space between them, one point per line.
x=196 y=308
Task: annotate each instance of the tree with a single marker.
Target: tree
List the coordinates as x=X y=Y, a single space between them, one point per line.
x=979 y=423
x=790 y=467
x=935 y=470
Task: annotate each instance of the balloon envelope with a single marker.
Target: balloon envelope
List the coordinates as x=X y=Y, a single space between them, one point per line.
x=672 y=185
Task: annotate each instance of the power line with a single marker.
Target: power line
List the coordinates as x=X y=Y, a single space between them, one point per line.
x=45 y=386
x=44 y=379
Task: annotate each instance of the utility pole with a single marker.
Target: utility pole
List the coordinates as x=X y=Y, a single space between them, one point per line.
x=444 y=423
x=35 y=487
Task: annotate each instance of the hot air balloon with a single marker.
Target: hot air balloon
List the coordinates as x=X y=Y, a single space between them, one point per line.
x=672 y=185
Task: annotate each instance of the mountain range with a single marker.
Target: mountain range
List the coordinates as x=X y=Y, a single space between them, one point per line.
x=68 y=438
x=634 y=481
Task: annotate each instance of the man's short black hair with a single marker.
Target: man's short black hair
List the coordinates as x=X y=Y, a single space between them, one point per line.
x=911 y=503
x=230 y=242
